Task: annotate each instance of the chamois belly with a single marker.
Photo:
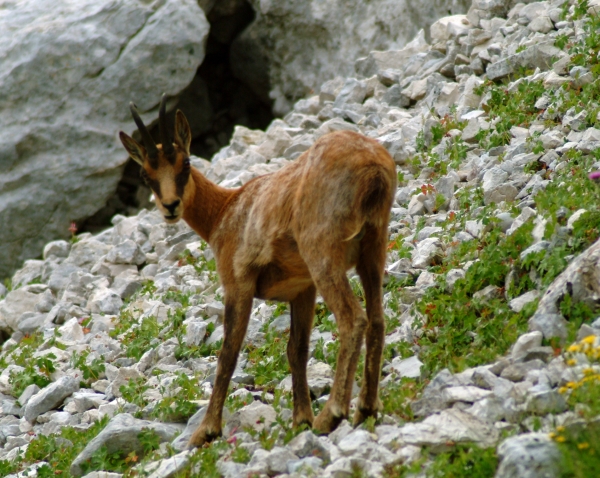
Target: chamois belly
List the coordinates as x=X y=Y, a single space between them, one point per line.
x=284 y=280
x=277 y=283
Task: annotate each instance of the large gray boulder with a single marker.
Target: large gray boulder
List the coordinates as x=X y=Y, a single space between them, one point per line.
x=531 y=455
x=16 y=303
x=293 y=47
x=67 y=73
x=50 y=397
x=122 y=435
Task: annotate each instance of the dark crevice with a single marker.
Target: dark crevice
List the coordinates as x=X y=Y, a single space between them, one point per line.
x=214 y=103
x=4 y=336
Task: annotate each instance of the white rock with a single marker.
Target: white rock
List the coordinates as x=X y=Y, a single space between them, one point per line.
x=278 y=459
x=171 y=466
x=444 y=28
x=416 y=90
x=427 y=252
x=50 y=397
x=410 y=367
x=122 y=435
x=105 y=301
x=122 y=377
x=529 y=455
x=518 y=303
x=92 y=58
x=464 y=393
x=71 y=330
x=526 y=214
x=127 y=252
x=319 y=376
x=450 y=425
x=452 y=276
x=426 y=279
x=15 y=304
x=257 y=416
x=541 y=24
x=475 y=228
x=195 y=332
x=575 y=217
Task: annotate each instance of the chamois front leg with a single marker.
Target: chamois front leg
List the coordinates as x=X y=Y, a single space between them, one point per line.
x=303 y=311
x=238 y=306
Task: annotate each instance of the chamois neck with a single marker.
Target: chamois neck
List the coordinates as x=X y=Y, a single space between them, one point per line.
x=203 y=209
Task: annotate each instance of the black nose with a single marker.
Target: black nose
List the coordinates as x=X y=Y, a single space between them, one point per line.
x=171 y=207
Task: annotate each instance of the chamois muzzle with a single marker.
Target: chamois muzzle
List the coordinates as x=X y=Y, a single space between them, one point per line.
x=171 y=207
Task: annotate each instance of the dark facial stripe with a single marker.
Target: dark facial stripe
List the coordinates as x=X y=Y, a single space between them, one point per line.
x=154 y=185
x=181 y=180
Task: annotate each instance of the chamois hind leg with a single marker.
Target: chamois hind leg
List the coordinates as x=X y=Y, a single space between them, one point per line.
x=238 y=305
x=327 y=267
x=303 y=310
x=370 y=267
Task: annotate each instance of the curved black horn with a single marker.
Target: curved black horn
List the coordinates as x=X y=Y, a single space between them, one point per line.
x=149 y=144
x=165 y=138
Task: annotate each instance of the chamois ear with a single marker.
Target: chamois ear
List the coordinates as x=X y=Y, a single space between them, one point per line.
x=183 y=135
x=136 y=151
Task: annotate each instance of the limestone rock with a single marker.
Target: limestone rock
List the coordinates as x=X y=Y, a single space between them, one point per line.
x=292 y=48
x=450 y=425
x=427 y=252
x=531 y=455
x=257 y=415
x=540 y=55
x=122 y=435
x=410 y=367
x=68 y=76
x=50 y=397
x=15 y=304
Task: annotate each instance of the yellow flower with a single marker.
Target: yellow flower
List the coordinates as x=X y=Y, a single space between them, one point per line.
x=590 y=339
x=583 y=446
x=571 y=362
x=588 y=371
x=571 y=385
x=551 y=435
x=574 y=348
x=560 y=428
x=560 y=439
x=563 y=390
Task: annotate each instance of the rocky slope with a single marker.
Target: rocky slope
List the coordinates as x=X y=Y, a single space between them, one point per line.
x=69 y=70
x=491 y=357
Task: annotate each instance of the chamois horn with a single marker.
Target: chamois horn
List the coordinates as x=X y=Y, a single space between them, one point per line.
x=165 y=138
x=149 y=144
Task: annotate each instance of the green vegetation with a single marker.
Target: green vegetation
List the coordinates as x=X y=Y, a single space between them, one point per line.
x=461 y=461
x=59 y=450
x=268 y=363
x=580 y=443
x=91 y=371
x=177 y=402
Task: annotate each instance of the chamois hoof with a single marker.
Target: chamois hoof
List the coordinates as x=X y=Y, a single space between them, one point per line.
x=361 y=414
x=201 y=436
x=304 y=419
x=327 y=421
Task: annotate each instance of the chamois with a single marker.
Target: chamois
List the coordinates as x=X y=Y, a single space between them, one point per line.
x=284 y=236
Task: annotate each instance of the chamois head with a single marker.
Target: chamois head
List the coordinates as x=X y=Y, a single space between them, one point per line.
x=166 y=166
